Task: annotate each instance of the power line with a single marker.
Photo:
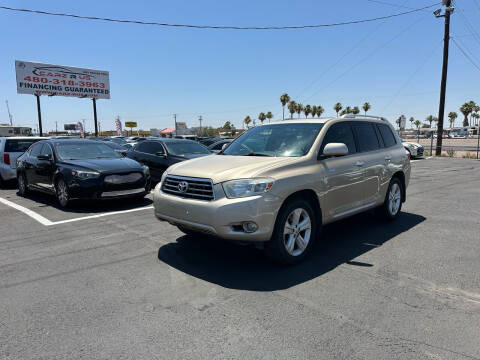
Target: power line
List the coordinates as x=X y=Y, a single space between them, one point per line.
x=465 y=54
x=389 y=4
x=216 y=27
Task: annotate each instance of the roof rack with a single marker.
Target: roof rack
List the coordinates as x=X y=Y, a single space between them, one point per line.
x=358 y=116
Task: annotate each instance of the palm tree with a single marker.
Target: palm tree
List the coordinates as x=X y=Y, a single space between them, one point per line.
x=355 y=110
x=430 y=119
x=473 y=106
x=307 y=110
x=284 y=99
x=465 y=109
x=314 y=111
x=476 y=117
x=247 y=121
x=452 y=115
x=262 y=117
x=292 y=107
x=347 y=110
x=412 y=120
x=417 y=124
x=320 y=110
x=269 y=116
x=299 y=109
x=366 y=107
x=337 y=107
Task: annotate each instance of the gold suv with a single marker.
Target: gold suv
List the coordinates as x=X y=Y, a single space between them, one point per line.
x=279 y=183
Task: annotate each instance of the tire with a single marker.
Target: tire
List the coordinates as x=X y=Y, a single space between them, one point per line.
x=286 y=246
x=63 y=195
x=22 y=184
x=190 y=232
x=392 y=205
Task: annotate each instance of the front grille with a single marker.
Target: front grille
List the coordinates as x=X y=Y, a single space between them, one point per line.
x=420 y=151
x=123 y=178
x=186 y=187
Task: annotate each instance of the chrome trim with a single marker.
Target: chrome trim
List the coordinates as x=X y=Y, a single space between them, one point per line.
x=190 y=196
x=122 y=192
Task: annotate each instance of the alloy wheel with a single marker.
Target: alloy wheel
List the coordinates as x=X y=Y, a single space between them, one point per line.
x=394 y=199
x=297 y=232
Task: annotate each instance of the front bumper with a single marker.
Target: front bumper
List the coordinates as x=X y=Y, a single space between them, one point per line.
x=7 y=172
x=221 y=217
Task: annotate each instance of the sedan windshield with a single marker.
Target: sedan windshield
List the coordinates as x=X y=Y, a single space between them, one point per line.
x=184 y=148
x=85 y=151
x=289 y=140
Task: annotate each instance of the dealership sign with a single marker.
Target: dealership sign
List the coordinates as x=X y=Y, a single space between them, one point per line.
x=47 y=79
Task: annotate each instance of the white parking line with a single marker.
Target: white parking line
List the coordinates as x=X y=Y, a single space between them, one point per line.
x=44 y=221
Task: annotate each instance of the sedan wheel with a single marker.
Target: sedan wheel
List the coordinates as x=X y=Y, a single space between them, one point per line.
x=22 y=184
x=62 y=193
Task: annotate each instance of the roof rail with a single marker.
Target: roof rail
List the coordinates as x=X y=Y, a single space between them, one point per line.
x=358 y=116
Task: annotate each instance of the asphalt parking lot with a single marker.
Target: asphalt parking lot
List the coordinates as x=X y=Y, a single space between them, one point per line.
x=109 y=281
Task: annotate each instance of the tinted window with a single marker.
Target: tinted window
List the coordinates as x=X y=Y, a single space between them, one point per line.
x=187 y=147
x=366 y=136
x=387 y=135
x=340 y=133
x=276 y=140
x=150 y=147
x=16 y=145
x=35 y=151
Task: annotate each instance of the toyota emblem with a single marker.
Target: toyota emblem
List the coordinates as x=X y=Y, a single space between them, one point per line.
x=183 y=186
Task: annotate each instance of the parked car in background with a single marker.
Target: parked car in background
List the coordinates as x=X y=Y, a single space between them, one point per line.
x=216 y=147
x=415 y=149
x=278 y=184
x=80 y=169
x=10 y=149
x=209 y=141
x=159 y=154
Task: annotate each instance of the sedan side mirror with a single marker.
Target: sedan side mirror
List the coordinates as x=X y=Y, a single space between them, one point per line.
x=44 y=157
x=335 y=149
x=224 y=146
x=162 y=154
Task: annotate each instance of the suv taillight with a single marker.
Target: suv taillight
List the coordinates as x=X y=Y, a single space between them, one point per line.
x=6 y=159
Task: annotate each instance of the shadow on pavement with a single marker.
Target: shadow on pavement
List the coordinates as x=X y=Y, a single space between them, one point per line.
x=88 y=206
x=246 y=268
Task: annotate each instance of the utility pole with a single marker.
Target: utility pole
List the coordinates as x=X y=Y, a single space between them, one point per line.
x=56 y=128
x=443 y=86
x=175 y=118
x=9 y=115
x=200 y=120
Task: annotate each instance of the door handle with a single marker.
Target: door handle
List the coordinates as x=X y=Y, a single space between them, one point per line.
x=360 y=163
x=388 y=158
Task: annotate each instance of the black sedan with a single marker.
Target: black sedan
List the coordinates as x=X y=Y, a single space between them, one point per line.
x=159 y=154
x=80 y=169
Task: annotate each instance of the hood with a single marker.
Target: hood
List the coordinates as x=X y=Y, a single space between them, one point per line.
x=221 y=168
x=106 y=165
x=408 y=143
x=191 y=156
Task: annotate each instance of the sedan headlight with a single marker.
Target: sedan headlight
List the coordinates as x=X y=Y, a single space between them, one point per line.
x=83 y=175
x=146 y=170
x=247 y=187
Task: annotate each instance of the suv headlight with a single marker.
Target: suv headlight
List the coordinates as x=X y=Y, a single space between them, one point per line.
x=146 y=170
x=85 y=174
x=247 y=187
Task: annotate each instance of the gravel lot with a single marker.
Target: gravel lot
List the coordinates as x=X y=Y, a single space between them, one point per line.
x=125 y=286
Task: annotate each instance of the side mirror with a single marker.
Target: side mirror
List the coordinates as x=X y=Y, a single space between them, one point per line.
x=224 y=146
x=335 y=149
x=162 y=154
x=44 y=157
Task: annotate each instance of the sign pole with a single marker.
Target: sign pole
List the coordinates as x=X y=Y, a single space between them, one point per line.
x=39 y=111
x=95 y=116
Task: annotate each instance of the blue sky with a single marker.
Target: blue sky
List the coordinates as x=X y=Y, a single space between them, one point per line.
x=225 y=75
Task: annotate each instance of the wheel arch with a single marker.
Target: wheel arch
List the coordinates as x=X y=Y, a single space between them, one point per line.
x=308 y=195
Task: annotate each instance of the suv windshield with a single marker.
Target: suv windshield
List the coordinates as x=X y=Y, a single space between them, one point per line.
x=289 y=140
x=183 y=148
x=85 y=151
